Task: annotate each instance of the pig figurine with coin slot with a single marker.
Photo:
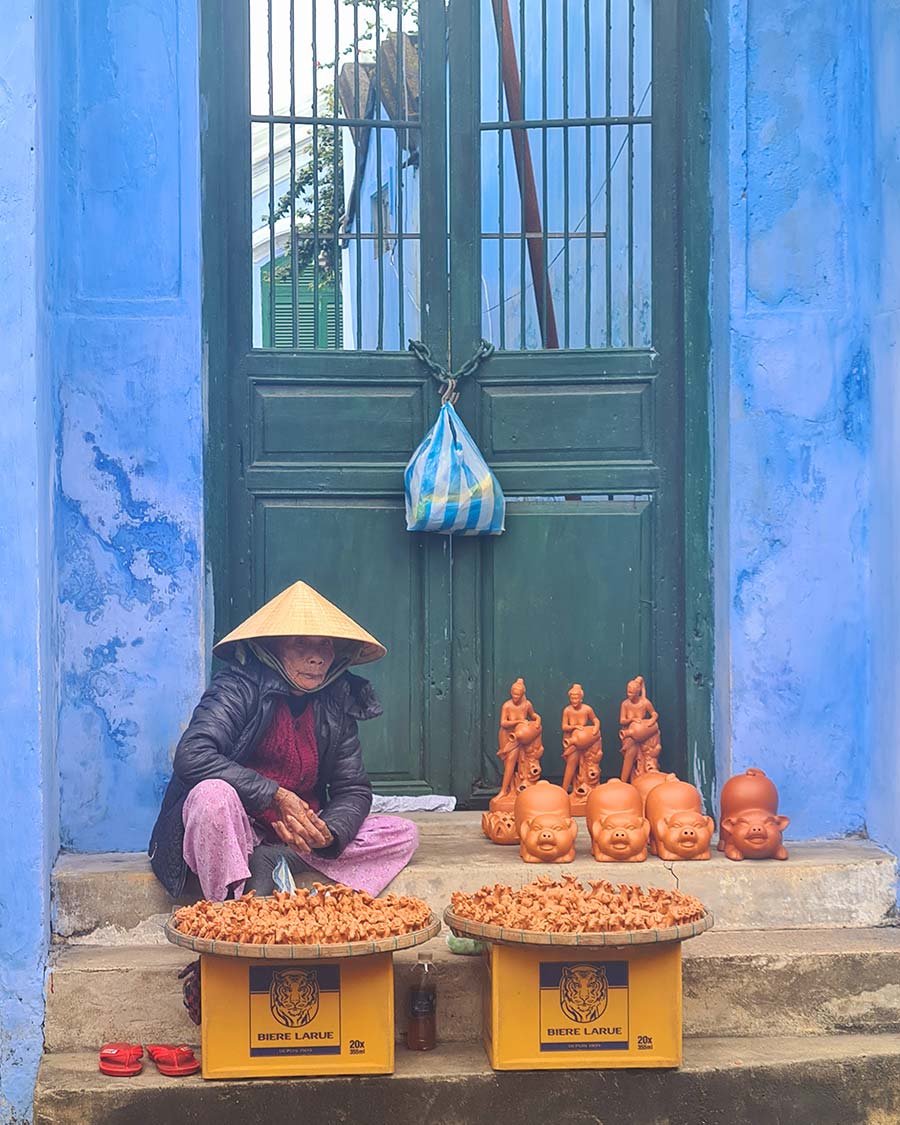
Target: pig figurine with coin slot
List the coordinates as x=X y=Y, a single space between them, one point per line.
x=751 y=789
x=678 y=828
x=545 y=824
x=615 y=819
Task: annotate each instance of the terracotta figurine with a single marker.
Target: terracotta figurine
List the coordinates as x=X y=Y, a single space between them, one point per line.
x=515 y=711
x=582 y=749
x=750 y=827
x=644 y=782
x=639 y=732
x=500 y=827
x=678 y=828
x=546 y=827
x=615 y=819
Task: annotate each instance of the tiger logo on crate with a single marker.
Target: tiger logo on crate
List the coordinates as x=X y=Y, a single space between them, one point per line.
x=294 y=996
x=583 y=992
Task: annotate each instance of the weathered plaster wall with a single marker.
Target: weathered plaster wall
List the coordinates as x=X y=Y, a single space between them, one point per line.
x=884 y=776
x=128 y=408
x=793 y=357
x=28 y=842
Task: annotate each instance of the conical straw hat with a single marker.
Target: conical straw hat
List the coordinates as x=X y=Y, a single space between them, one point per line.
x=300 y=611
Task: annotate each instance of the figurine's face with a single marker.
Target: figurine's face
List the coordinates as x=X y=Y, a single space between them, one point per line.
x=621 y=835
x=305 y=659
x=576 y=695
x=756 y=832
x=548 y=835
x=517 y=693
x=685 y=833
x=634 y=689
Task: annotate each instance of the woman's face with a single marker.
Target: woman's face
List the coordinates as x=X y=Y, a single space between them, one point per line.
x=305 y=659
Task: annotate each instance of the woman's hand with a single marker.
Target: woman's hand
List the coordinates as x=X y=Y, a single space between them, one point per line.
x=298 y=825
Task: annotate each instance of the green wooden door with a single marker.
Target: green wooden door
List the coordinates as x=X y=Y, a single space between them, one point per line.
x=508 y=169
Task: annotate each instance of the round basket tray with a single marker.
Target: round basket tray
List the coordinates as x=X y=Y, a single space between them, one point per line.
x=305 y=952
x=465 y=927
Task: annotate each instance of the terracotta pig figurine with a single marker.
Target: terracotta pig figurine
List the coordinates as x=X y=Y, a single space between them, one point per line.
x=615 y=819
x=750 y=827
x=548 y=838
x=748 y=790
x=755 y=834
x=678 y=828
x=545 y=824
x=644 y=782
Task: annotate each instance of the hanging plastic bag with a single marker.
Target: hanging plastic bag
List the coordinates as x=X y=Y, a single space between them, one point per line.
x=449 y=487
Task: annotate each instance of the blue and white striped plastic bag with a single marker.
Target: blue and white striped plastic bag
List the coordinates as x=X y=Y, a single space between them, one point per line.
x=449 y=487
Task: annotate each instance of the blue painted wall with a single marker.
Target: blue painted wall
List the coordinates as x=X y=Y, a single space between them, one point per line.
x=793 y=359
x=27 y=776
x=126 y=372
x=884 y=760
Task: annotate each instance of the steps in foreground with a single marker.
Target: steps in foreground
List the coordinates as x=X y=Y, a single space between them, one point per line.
x=835 y=883
x=788 y=982
x=828 y=1080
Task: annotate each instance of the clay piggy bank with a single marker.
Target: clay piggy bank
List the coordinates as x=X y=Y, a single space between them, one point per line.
x=548 y=838
x=620 y=837
x=499 y=827
x=755 y=834
x=645 y=782
x=543 y=797
x=613 y=796
x=748 y=790
x=678 y=828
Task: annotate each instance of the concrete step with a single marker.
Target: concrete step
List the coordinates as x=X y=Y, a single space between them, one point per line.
x=787 y=982
x=824 y=884
x=830 y=1080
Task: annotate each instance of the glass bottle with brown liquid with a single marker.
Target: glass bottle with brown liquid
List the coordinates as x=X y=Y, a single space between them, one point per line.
x=421 y=1031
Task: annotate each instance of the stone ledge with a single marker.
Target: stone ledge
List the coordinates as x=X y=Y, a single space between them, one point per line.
x=789 y=982
x=831 y=1080
x=848 y=882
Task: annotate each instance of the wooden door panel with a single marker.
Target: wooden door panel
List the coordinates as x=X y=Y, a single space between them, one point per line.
x=567 y=598
x=296 y=422
x=585 y=422
x=352 y=552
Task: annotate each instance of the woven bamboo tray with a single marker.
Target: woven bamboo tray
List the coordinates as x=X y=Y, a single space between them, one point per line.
x=304 y=952
x=465 y=927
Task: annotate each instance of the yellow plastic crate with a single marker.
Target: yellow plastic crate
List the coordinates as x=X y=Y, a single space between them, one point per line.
x=563 y=1008
x=309 y=1017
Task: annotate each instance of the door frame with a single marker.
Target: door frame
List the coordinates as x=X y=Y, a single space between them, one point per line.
x=691 y=212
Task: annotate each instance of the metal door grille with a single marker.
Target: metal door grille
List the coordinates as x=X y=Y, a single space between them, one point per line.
x=565 y=181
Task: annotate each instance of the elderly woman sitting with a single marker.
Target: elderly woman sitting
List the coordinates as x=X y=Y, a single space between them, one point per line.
x=270 y=764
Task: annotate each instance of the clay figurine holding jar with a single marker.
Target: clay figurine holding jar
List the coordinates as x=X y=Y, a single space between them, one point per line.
x=638 y=732
x=519 y=747
x=615 y=819
x=546 y=827
x=678 y=828
x=750 y=827
x=582 y=749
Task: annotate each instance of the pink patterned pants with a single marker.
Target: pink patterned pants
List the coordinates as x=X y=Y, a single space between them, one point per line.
x=226 y=852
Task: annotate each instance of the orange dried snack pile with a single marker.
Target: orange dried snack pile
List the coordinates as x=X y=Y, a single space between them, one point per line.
x=324 y=915
x=566 y=907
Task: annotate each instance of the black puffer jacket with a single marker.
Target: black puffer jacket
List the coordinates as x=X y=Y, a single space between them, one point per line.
x=225 y=728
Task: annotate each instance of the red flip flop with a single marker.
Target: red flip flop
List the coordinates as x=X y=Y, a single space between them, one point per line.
x=121 y=1060
x=173 y=1061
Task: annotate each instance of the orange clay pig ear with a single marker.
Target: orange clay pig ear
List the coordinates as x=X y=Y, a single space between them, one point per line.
x=661 y=825
x=523 y=829
x=645 y=828
x=783 y=822
x=728 y=823
x=710 y=823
